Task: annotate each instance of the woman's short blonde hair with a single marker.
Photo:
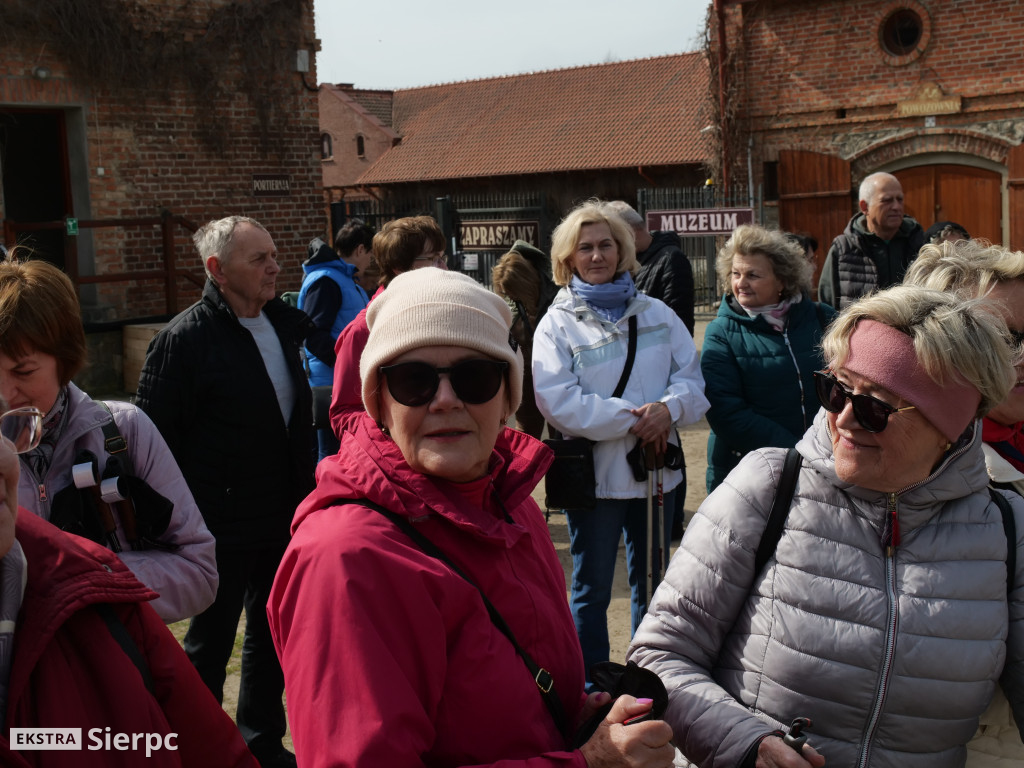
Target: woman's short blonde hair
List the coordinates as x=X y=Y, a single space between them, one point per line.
x=788 y=260
x=39 y=312
x=967 y=267
x=566 y=237
x=953 y=336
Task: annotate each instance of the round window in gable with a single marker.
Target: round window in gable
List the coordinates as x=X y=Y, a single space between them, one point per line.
x=901 y=32
x=904 y=31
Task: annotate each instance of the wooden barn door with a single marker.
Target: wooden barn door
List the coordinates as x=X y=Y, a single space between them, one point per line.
x=972 y=197
x=1016 y=192
x=815 y=197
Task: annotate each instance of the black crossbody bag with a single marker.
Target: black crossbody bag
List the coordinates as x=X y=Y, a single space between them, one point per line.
x=570 y=482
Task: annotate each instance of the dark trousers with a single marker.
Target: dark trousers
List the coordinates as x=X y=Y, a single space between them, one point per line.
x=245 y=580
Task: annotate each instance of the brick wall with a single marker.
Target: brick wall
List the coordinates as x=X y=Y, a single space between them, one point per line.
x=816 y=77
x=144 y=152
x=344 y=119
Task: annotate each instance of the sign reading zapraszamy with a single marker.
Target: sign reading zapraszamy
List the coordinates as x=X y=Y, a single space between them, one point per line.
x=271 y=184
x=700 y=221
x=497 y=235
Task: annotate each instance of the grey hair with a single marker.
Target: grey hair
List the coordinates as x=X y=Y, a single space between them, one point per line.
x=214 y=238
x=867 y=187
x=953 y=336
x=628 y=214
x=788 y=260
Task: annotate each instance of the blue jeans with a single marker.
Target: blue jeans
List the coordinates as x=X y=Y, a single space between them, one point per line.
x=594 y=537
x=327 y=443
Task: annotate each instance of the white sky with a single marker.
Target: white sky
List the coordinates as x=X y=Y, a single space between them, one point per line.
x=406 y=43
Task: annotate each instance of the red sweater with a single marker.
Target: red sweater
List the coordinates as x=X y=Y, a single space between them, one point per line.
x=1008 y=441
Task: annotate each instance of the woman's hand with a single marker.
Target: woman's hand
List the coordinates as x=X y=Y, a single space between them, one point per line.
x=653 y=424
x=593 y=703
x=773 y=752
x=641 y=745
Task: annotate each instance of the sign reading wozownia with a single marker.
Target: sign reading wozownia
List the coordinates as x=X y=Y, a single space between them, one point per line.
x=497 y=235
x=271 y=184
x=700 y=221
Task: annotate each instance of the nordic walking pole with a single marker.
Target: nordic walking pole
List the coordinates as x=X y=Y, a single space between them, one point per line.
x=659 y=522
x=652 y=578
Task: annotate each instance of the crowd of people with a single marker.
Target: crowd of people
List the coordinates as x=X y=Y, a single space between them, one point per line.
x=849 y=593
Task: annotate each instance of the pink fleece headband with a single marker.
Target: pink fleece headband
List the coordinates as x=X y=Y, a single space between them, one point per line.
x=887 y=357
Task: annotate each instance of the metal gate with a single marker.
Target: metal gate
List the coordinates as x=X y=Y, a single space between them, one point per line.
x=701 y=250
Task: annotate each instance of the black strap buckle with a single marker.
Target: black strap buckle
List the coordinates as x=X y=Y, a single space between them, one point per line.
x=116 y=444
x=544 y=680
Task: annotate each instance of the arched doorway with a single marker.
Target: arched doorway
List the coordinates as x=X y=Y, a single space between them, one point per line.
x=970 y=196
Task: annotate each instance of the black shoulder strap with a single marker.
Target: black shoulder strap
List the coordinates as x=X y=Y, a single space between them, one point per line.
x=127 y=643
x=630 y=357
x=1010 y=527
x=113 y=440
x=545 y=682
x=779 y=511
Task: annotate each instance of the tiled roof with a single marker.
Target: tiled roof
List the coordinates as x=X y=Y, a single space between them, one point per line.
x=645 y=112
x=377 y=103
x=374 y=104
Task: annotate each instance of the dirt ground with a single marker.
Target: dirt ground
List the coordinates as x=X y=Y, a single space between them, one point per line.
x=694 y=444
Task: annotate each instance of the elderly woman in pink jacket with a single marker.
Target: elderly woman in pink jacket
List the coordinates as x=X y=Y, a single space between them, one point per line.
x=419 y=611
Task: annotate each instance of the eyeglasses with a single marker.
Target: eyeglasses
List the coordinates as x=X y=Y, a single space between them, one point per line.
x=474 y=381
x=436 y=259
x=22 y=428
x=871 y=413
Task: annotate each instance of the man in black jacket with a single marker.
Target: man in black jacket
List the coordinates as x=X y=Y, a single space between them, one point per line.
x=224 y=383
x=665 y=272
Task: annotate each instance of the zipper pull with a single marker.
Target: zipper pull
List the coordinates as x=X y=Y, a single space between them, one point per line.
x=42 y=492
x=891 y=527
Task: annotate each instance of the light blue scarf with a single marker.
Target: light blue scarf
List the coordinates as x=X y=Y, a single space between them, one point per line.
x=608 y=300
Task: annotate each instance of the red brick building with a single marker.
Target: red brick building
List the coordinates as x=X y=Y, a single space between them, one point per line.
x=816 y=96
x=120 y=116
x=355 y=132
x=558 y=137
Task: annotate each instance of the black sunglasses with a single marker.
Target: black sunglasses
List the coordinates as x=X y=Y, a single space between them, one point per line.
x=870 y=412
x=415 y=383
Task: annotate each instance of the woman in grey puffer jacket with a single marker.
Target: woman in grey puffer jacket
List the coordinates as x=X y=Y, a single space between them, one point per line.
x=883 y=614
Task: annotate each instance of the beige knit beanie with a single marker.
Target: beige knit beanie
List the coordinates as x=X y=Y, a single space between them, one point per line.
x=434 y=307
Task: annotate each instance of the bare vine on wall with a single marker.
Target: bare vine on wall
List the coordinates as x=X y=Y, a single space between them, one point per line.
x=726 y=139
x=135 y=50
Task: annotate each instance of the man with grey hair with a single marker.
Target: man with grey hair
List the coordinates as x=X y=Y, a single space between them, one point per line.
x=876 y=247
x=665 y=272
x=225 y=385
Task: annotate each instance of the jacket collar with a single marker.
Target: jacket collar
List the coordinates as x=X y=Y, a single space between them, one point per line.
x=370 y=465
x=285 y=319
x=960 y=473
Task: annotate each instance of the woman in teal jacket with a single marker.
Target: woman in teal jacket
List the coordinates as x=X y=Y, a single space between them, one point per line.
x=759 y=355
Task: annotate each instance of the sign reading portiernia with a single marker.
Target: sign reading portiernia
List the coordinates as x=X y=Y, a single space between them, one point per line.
x=700 y=221
x=271 y=184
